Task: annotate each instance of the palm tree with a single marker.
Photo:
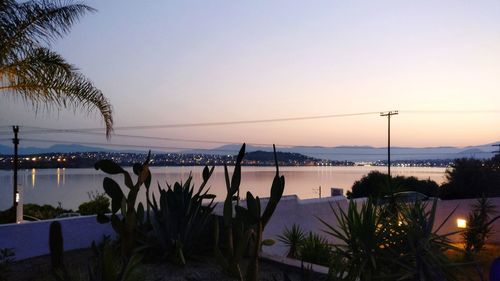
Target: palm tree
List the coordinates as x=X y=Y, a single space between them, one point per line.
x=31 y=71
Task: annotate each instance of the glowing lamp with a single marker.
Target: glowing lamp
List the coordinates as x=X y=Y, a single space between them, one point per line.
x=461 y=223
x=17 y=196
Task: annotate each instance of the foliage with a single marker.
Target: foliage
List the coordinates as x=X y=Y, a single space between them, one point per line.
x=128 y=225
x=244 y=230
x=403 y=246
x=377 y=184
x=7 y=216
x=43 y=212
x=38 y=75
x=181 y=217
x=469 y=177
x=479 y=225
x=98 y=204
x=6 y=258
x=315 y=249
x=108 y=265
x=34 y=212
x=292 y=238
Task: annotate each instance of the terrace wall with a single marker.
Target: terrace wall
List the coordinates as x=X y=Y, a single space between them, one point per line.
x=31 y=239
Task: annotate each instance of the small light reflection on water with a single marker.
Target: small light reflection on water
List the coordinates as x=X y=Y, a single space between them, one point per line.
x=33 y=177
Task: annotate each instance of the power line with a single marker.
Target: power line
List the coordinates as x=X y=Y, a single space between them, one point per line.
x=222 y=123
x=450 y=111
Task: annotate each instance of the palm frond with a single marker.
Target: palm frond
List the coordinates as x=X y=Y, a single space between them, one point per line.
x=45 y=78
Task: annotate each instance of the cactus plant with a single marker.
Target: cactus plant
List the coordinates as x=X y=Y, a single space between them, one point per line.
x=56 y=246
x=127 y=227
x=244 y=230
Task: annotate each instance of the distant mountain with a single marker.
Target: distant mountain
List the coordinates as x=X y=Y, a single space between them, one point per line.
x=337 y=153
x=365 y=153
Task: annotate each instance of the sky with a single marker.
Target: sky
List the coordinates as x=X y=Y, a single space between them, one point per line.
x=178 y=62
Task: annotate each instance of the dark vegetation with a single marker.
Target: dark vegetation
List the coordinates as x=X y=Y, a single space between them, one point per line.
x=377 y=184
x=467 y=178
x=34 y=212
x=98 y=204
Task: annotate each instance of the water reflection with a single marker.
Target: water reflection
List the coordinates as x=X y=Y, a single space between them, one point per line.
x=33 y=177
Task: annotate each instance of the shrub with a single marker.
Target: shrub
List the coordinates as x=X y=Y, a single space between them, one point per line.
x=98 y=204
x=377 y=184
x=315 y=249
x=469 y=177
x=43 y=212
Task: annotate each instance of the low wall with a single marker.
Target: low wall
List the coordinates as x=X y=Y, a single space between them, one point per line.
x=31 y=239
x=306 y=213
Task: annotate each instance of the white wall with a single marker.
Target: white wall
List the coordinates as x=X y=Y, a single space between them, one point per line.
x=306 y=213
x=31 y=239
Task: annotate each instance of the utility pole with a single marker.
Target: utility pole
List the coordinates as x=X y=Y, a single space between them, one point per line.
x=389 y=114
x=15 y=141
x=497 y=152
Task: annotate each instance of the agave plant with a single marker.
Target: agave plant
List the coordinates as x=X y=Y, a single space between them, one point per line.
x=293 y=239
x=180 y=218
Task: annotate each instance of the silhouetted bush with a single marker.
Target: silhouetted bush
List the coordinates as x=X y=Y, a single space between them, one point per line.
x=377 y=184
x=98 y=204
x=469 y=178
x=43 y=212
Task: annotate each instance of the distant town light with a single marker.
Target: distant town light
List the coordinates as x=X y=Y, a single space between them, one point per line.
x=461 y=223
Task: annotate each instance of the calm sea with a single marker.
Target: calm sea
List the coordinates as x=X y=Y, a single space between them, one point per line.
x=70 y=187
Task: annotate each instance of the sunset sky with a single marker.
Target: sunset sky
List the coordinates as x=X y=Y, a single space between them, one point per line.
x=176 y=62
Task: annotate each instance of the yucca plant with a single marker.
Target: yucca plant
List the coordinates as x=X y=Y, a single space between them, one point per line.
x=423 y=257
x=362 y=239
x=292 y=238
x=402 y=246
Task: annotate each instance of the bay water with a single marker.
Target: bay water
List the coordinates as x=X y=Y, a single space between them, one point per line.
x=71 y=187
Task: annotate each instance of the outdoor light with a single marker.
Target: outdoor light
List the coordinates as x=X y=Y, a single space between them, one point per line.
x=17 y=196
x=461 y=223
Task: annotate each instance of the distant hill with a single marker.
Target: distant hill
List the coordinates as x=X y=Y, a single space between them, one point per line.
x=366 y=153
x=337 y=153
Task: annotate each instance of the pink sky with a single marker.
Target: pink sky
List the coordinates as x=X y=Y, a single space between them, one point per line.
x=169 y=62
